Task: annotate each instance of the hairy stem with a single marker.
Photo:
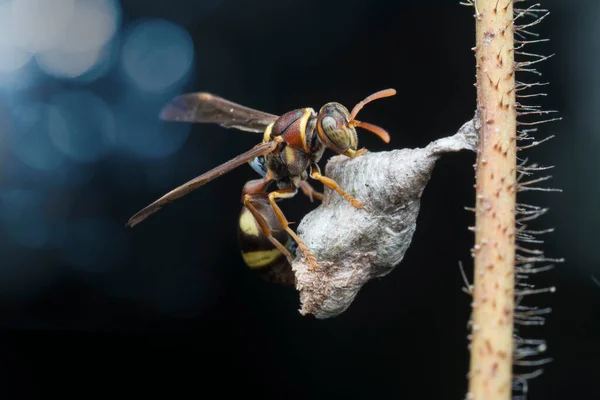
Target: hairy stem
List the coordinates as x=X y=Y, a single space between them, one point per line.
x=490 y=375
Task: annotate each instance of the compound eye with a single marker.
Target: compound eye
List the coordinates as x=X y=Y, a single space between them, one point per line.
x=335 y=132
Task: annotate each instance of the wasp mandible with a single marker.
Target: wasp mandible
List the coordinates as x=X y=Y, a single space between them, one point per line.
x=292 y=145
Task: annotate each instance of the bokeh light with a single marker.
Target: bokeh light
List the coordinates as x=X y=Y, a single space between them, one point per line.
x=106 y=60
x=21 y=79
x=59 y=124
x=82 y=41
x=37 y=25
x=93 y=24
x=84 y=127
x=66 y=37
x=30 y=140
x=141 y=132
x=157 y=55
x=11 y=57
x=68 y=65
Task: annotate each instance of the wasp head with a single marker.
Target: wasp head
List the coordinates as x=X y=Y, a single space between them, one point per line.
x=334 y=129
x=336 y=125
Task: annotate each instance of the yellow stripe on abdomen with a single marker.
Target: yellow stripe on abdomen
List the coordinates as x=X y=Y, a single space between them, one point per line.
x=261 y=258
x=248 y=224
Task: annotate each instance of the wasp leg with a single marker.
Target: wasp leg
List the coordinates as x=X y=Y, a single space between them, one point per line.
x=256 y=186
x=361 y=152
x=264 y=226
x=330 y=183
x=310 y=191
x=286 y=194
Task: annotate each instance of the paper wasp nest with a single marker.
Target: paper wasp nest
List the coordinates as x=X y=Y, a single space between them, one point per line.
x=353 y=246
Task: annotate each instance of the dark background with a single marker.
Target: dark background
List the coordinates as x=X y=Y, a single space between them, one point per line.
x=89 y=307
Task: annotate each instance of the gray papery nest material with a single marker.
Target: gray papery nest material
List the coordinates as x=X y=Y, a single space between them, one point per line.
x=353 y=246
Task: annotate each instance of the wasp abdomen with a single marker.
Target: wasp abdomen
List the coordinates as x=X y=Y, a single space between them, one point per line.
x=292 y=126
x=258 y=252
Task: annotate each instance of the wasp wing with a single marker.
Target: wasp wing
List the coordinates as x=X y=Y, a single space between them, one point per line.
x=208 y=108
x=257 y=151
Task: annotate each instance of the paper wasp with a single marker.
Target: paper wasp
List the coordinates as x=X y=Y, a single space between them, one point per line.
x=292 y=145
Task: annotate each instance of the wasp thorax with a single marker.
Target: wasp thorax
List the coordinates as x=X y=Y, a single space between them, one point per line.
x=333 y=128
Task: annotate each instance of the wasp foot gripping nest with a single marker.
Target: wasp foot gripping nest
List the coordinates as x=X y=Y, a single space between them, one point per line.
x=353 y=245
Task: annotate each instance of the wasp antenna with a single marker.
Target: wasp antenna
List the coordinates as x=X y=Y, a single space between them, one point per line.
x=382 y=133
x=374 y=96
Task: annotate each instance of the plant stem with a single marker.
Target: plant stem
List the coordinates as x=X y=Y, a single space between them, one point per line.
x=490 y=375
